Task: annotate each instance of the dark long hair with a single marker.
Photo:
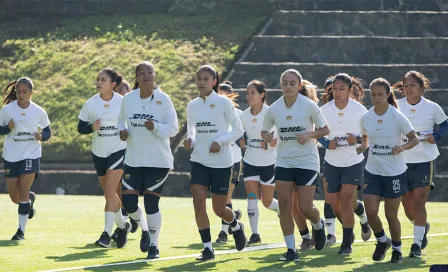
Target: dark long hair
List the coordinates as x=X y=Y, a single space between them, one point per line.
x=384 y=83
x=213 y=72
x=9 y=93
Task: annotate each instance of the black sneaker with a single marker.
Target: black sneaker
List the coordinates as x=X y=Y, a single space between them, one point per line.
x=290 y=255
x=416 y=252
x=153 y=253
x=397 y=257
x=19 y=235
x=114 y=235
x=346 y=249
x=254 y=238
x=206 y=255
x=222 y=237
x=425 y=239
x=366 y=232
x=238 y=215
x=240 y=238
x=32 y=197
x=134 y=225
x=320 y=239
x=144 y=241
x=122 y=235
x=104 y=240
x=380 y=250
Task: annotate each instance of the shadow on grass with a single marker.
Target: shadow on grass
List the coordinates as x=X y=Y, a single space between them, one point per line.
x=91 y=254
x=8 y=243
x=124 y=267
x=200 y=247
x=385 y=265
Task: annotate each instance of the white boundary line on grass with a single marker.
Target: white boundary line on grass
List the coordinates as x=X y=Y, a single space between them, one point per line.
x=220 y=252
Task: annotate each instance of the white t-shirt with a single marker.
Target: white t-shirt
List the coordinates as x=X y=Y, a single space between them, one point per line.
x=147 y=148
x=341 y=122
x=255 y=155
x=20 y=143
x=299 y=118
x=422 y=116
x=384 y=133
x=106 y=140
x=214 y=119
x=236 y=150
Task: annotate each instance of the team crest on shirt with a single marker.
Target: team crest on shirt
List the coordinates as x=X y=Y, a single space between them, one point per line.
x=106 y=106
x=7 y=171
x=289 y=118
x=413 y=111
x=341 y=114
x=23 y=114
x=212 y=106
x=158 y=102
x=379 y=122
x=127 y=176
x=254 y=121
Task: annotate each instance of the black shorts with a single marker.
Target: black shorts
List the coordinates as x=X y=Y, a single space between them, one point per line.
x=301 y=177
x=23 y=167
x=263 y=174
x=144 y=178
x=237 y=172
x=420 y=175
x=385 y=186
x=336 y=176
x=113 y=162
x=217 y=180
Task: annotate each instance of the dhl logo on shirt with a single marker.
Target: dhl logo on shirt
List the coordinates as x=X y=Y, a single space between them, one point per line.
x=379 y=122
x=212 y=106
x=289 y=118
x=23 y=114
x=7 y=171
x=254 y=121
x=127 y=176
x=106 y=106
x=158 y=103
x=413 y=111
x=341 y=114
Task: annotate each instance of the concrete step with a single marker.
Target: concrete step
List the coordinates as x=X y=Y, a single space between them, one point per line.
x=269 y=72
x=370 y=23
x=349 y=49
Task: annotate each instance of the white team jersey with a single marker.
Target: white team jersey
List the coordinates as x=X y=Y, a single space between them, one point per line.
x=106 y=140
x=236 y=150
x=299 y=118
x=422 y=116
x=20 y=143
x=341 y=122
x=255 y=155
x=214 y=119
x=384 y=133
x=147 y=148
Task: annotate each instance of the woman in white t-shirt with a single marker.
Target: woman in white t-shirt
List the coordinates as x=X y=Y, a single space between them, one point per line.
x=20 y=120
x=297 y=165
x=384 y=175
x=99 y=116
x=423 y=115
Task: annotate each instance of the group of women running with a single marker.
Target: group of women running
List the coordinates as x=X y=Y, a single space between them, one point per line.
x=132 y=157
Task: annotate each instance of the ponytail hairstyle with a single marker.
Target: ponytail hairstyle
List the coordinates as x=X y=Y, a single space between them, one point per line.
x=9 y=93
x=354 y=85
x=211 y=71
x=114 y=75
x=421 y=79
x=294 y=72
x=260 y=87
x=147 y=63
x=309 y=90
x=384 y=83
x=226 y=90
x=327 y=96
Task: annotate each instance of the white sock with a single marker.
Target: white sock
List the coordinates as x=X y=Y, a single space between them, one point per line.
x=419 y=232
x=119 y=219
x=290 y=241
x=23 y=219
x=382 y=239
x=237 y=226
x=363 y=218
x=225 y=228
x=154 y=226
x=253 y=214
x=306 y=236
x=317 y=226
x=274 y=205
x=331 y=225
x=139 y=217
x=398 y=248
x=209 y=245
x=109 y=219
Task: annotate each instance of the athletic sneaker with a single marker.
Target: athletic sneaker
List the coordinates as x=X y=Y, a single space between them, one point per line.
x=254 y=238
x=206 y=255
x=114 y=235
x=240 y=238
x=380 y=250
x=346 y=249
x=290 y=255
x=238 y=215
x=416 y=252
x=134 y=225
x=19 y=235
x=104 y=240
x=425 y=239
x=122 y=235
x=32 y=197
x=153 y=253
x=366 y=232
x=144 y=241
x=222 y=237
x=320 y=239
x=331 y=239
x=306 y=244
x=397 y=257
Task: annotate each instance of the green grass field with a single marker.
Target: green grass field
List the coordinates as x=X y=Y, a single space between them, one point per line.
x=63 y=233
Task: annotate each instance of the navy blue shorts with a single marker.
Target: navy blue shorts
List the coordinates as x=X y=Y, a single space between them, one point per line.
x=301 y=177
x=23 y=167
x=385 y=186
x=420 y=175
x=144 y=179
x=217 y=180
x=113 y=162
x=263 y=174
x=336 y=176
x=237 y=172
